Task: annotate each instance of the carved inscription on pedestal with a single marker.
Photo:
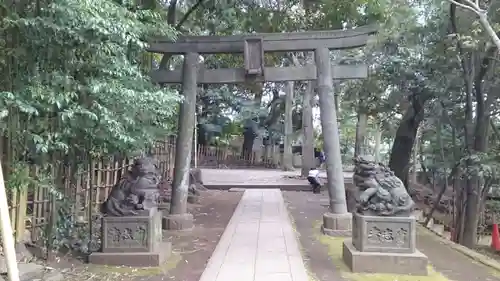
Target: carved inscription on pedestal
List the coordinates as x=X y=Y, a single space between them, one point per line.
x=132 y=234
x=383 y=234
x=387 y=237
x=127 y=237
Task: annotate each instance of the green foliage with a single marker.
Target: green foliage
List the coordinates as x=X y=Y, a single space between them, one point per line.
x=19 y=177
x=74 y=79
x=236 y=17
x=75 y=85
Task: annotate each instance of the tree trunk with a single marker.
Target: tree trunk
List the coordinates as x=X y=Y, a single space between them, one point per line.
x=479 y=144
x=258 y=150
x=378 y=140
x=475 y=140
x=458 y=193
x=248 y=140
x=405 y=137
x=436 y=203
x=337 y=103
x=471 y=216
x=359 y=146
x=475 y=182
x=416 y=150
x=267 y=150
x=250 y=132
x=276 y=155
x=308 y=129
x=445 y=169
x=288 y=135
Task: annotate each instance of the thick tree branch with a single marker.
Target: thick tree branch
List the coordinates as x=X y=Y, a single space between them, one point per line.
x=171 y=20
x=483 y=18
x=489 y=30
x=171 y=12
x=460 y=55
x=188 y=13
x=494 y=129
x=467 y=7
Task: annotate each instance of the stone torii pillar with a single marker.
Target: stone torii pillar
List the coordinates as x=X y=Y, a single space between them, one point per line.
x=337 y=221
x=253 y=47
x=179 y=218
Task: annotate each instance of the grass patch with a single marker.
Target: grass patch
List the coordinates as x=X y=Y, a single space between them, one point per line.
x=311 y=276
x=334 y=245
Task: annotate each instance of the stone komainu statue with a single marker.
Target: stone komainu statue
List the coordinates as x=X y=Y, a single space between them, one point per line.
x=381 y=192
x=127 y=197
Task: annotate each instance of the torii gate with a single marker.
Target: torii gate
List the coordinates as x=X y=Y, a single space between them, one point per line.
x=253 y=46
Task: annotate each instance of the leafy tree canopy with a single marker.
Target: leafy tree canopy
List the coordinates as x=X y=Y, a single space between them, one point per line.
x=74 y=76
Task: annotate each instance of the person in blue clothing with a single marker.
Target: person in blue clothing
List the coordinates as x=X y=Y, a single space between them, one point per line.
x=322 y=157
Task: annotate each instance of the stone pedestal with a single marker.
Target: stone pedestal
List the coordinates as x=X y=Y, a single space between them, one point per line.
x=164 y=207
x=193 y=199
x=132 y=241
x=337 y=224
x=384 y=245
x=178 y=222
x=297 y=160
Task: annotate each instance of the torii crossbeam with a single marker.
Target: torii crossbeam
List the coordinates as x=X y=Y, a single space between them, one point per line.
x=253 y=46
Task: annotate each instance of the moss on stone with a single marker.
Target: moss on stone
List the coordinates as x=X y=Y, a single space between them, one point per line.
x=171 y=263
x=334 y=245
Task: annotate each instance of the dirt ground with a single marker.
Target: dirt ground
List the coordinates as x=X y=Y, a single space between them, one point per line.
x=321 y=252
x=191 y=249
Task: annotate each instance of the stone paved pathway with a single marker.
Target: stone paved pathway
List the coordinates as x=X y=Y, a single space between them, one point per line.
x=255 y=177
x=259 y=243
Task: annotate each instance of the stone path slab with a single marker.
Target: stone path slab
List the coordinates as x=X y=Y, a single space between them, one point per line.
x=254 y=177
x=259 y=243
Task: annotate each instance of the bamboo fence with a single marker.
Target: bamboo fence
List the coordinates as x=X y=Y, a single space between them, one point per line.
x=34 y=209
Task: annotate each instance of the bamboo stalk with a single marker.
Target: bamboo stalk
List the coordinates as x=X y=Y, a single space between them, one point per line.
x=21 y=215
x=13 y=208
x=98 y=182
x=7 y=233
x=90 y=206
